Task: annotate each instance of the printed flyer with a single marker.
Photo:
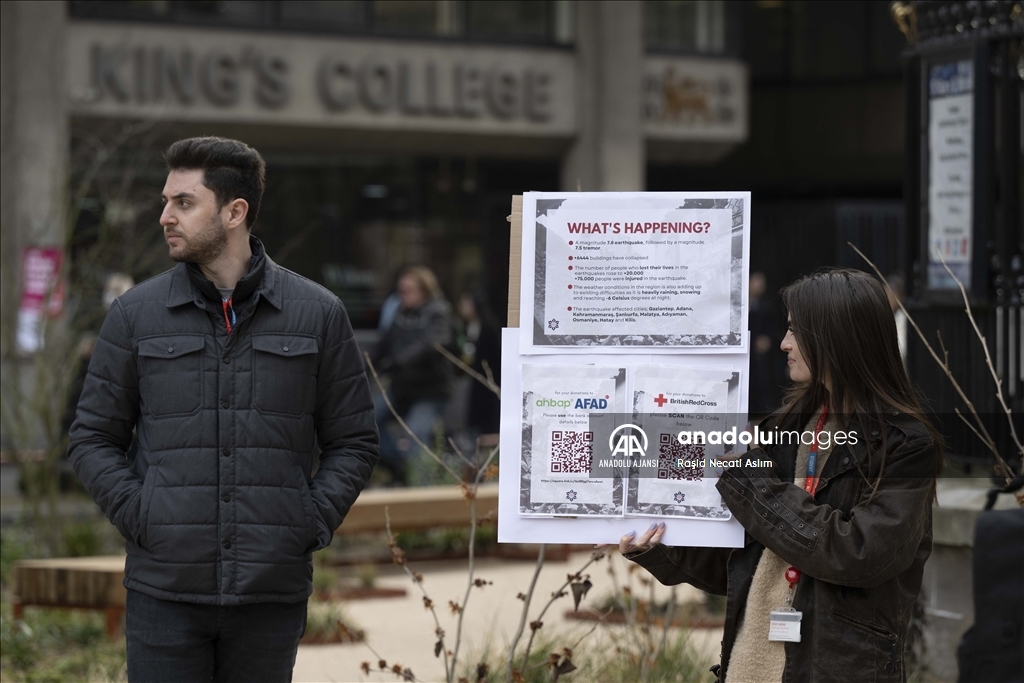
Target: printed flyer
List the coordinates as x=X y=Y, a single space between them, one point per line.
x=634 y=271
x=558 y=445
x=691 y=417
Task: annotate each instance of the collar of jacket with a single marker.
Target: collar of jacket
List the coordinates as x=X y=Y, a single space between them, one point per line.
x=846 y=457
x=842 y=458
x=189 y=285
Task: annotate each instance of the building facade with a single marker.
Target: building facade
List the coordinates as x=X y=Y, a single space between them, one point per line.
x=395 y=132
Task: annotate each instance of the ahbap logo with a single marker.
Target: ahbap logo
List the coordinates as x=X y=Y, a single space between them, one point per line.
x=553 y=324
x=570 y=495
x=628 y=444
x=679 y=497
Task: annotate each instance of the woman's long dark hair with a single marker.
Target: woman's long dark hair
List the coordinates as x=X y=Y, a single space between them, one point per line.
x=846 y=333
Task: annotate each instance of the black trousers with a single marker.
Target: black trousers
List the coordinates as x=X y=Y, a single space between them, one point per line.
x=182 y=641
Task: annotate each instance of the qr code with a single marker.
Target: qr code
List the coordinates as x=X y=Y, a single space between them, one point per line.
x=571 y=452
x=670 y=452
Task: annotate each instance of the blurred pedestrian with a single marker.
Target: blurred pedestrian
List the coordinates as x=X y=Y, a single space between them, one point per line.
x=763 y=340
x=481 y=350
x=116 y=284
x=236 y=371
x=419 y=376
x=897 y=293
x=392 y=301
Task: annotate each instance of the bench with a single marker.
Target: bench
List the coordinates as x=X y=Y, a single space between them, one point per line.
x=96 y=582
x=71 y=582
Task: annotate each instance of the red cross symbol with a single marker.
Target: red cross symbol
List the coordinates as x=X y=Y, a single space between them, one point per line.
x=661 y=400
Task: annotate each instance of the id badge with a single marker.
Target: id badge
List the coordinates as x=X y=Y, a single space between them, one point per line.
x=785 y=625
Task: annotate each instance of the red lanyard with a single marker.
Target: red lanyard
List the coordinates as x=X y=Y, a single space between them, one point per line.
x=811 y=480
x=810 y=484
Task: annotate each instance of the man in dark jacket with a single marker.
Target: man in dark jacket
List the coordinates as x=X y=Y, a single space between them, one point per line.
x=235 y=372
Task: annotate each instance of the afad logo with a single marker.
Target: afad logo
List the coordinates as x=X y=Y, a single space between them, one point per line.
x=632 y=443
x=577 y=404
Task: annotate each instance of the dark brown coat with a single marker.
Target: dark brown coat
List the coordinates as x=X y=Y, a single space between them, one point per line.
x=861 y=555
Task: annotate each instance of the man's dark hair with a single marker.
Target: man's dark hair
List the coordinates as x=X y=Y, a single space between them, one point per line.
x=232 y=169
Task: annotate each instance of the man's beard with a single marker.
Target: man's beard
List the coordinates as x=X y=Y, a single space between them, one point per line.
x=203 y=247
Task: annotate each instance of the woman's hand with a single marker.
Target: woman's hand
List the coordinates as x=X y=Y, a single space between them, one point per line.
x=650 y=538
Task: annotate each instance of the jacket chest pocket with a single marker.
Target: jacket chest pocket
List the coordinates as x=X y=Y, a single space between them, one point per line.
x=284 y=374
x=171 y=375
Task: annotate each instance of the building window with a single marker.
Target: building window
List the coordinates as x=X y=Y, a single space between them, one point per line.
x=340 y=14
x=821 y=41
x=126 y=9
x=408 y=16
x=529 y=21
x=237 y=12
x=508 y=19
x=693 y=26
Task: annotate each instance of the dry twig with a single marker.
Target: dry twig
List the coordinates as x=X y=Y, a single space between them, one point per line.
x=399 y=558
x=438 y=459
x=472 y=542
x=405 y=673
x=487 y=381
x=943 y=363
x=988 y=360
x=594 y=557
x=526 y=608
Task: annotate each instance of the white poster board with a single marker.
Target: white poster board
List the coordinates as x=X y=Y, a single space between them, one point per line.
x=665 y=271
x=654 y=328
x=514 y=527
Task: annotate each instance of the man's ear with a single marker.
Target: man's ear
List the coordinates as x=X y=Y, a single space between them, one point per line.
x=237 y=210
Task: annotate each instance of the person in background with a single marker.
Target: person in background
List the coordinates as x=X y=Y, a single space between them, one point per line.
x=481 y=350
x=420 y=377
x=115 y=285
x=896 y=294
x=389 y=308
x=762 y=342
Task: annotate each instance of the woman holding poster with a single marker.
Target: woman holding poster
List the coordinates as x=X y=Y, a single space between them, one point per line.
x=839 y=527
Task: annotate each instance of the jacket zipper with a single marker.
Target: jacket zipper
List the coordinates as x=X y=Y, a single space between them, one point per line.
x=890 y=668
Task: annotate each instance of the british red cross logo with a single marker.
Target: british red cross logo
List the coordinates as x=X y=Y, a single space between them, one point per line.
x=661 y=400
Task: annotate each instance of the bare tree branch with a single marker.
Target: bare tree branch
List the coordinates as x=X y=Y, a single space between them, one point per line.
x=406 y=674
x=438 y=459
x=486 y=381
x=988 y=359
x=982 y=432
x=669 y=614
x=458 y=452
x=968 y=423
x=490 y=375
x=594 y=557
x=469 y=581
x=523 y=617
x=399 y=558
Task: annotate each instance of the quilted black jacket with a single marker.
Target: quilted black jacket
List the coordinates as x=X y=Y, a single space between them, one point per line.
x=219 y=506
x=861 y=555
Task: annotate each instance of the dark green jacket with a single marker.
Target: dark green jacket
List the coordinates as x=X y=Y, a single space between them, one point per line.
x=861 y=556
